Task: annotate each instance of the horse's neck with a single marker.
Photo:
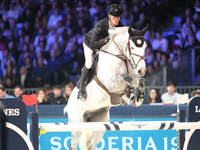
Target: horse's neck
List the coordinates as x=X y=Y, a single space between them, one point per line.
x=110 y=68
x=115 y=47
x=117 y=30
x=119 y=38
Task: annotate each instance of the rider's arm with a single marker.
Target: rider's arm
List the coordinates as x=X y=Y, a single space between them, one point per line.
x=96 y=38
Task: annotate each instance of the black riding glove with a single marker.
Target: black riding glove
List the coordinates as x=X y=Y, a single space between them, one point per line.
x=106 y=39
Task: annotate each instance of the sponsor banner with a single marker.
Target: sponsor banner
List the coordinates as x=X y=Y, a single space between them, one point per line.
x=116 y=140
x=193 y=136
x=16 y=115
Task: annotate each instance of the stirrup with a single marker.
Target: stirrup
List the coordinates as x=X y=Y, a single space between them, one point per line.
x=82 y=95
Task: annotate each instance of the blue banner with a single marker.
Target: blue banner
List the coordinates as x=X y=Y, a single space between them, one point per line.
x=116 y=140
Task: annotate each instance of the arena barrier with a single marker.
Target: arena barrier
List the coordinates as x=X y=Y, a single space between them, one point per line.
x=188 y=133
x=119 y=126
x=13 y=127
x=14 y=134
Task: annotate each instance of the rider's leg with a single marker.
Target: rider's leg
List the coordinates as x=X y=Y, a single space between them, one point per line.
x=85 y=72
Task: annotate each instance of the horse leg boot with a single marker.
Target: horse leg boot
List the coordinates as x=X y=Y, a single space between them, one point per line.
x=138 y=97
x=128 y=91
x=82 y=95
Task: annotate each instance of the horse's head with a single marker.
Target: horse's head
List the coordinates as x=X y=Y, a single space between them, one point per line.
x=136 y=50
x=128 y=44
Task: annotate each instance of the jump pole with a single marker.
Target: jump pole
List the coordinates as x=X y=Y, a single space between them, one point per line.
x=121 y=126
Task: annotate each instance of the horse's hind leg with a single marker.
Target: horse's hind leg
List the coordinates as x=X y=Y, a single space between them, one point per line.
x=75 y=135
x=102 y=116
x=74 y=140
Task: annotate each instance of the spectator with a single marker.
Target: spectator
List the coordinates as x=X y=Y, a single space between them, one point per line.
x=150 y=69
x=67 y=90
x=3 y=93
x=18 y=92
x=197 y=6
x=8 y=82
x=54 y=18
x=41 y=96
x=154 y=96
x=126 y=18
x=196 y=93
x=160 y=43
x=188 y=26
x=164 y=59
x=54 y=67
x=48 y=90
x=7 y=57
x=1 y=72
x=40 y=73
x=24 y=77
x=149 y=57
x=13 y=12
x=57 y=97
x=156 y=65
x=170 y=97
x=10 y=78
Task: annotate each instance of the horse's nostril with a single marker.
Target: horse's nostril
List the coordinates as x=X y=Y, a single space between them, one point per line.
x=139 y=71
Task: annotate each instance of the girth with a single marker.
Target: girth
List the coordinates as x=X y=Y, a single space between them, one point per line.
x=103 y=86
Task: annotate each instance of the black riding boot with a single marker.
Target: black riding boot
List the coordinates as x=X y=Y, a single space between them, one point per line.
x=82 y=95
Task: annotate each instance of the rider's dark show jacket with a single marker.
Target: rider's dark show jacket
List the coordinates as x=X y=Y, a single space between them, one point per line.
x=96 y=37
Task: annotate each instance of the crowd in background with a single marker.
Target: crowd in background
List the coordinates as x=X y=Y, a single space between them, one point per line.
x=41 y=41
x=46 y=95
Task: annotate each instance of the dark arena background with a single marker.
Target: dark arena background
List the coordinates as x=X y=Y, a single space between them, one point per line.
x=41 y=56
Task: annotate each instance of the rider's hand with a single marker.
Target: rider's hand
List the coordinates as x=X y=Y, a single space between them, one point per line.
x=107 y=38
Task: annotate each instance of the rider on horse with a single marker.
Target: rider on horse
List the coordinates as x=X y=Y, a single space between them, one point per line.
x=94 y=40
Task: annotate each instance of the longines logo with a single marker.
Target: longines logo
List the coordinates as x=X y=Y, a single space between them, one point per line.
x=12 y=111
x=197 y=109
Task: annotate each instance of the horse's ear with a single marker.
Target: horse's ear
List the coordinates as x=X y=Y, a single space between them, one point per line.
x=131 y=31
x=145 y=28
x=135 y=30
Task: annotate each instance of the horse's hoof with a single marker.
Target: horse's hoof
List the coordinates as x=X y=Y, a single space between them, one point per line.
x=137 y=102
x=82 y=96
x=82 y=99
x=124 y=100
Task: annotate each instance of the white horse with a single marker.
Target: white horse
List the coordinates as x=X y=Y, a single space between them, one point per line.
x=121 y=62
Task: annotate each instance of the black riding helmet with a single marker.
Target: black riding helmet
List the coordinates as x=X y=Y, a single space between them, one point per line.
x=115 y=10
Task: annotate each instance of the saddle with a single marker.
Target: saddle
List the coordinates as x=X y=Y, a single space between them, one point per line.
x=115 y=98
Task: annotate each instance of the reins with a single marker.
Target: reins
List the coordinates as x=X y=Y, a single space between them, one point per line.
x=124 y=58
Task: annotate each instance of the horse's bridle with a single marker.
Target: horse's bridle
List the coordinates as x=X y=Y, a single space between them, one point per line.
x=125 y=58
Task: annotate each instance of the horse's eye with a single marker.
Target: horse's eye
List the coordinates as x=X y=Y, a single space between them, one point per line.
x=139 y=41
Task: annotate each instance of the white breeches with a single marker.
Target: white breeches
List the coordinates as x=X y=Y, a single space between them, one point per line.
x=88 y=52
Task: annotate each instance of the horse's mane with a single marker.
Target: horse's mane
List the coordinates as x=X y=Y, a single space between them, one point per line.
x=118 y=34
x=118 y=30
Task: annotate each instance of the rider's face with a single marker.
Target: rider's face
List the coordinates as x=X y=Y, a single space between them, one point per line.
x=114 y=20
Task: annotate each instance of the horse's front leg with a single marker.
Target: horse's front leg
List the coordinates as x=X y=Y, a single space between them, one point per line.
x=134 y=91
x=127 y=93
x=138 y=93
